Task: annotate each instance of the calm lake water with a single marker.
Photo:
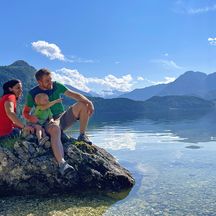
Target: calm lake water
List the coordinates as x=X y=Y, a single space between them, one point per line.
x=172 y=159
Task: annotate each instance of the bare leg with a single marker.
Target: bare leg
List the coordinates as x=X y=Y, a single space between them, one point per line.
x=39 y=131
x=43 y=133
x=80 y=111
x=56 y=144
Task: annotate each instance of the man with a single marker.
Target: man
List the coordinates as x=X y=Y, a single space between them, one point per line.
x=81 y=111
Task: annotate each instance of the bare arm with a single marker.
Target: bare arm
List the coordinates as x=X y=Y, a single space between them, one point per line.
x=81 y=98
x=26 y=115
x=9 y=108
x=51 y=103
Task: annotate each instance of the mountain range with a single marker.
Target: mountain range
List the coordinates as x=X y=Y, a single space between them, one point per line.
x=185 y=94
x=190 y=83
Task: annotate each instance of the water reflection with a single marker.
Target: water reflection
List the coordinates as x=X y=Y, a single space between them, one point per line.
x=185 y=127
x=171 y=159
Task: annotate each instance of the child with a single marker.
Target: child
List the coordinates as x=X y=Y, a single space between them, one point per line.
x=44 y=115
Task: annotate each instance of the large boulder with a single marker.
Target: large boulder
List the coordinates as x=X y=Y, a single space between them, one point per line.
x=29 y=169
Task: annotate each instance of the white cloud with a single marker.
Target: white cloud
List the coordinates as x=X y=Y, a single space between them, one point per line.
x=103 y=86
x=50 y=50
x=202 y=10
x=212 y=41
x=186 y=7
x=167 y=64
x=183 y=7
x=117 y=62
x=75 y=59
x=71 y=77
x=165 y=81
x=140 y=78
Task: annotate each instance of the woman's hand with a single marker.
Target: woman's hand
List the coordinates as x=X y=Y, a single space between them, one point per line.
x=28 y=129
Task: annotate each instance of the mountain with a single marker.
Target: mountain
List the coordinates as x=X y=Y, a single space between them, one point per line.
x=177 y=103
x=171 y=107
x=154 y=104
x=190 y=83
x=77 y=90
x=114 y=94
x=18 y=70
x=211 y=83
x=23 y=71
x=144 y=93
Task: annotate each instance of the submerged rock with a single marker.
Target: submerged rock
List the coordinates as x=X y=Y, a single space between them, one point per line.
x=30 y=169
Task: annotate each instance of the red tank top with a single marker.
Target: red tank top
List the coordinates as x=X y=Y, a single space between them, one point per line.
x=6 y=125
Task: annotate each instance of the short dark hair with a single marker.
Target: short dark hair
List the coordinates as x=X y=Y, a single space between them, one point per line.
x=9 y=84
x=42 y=72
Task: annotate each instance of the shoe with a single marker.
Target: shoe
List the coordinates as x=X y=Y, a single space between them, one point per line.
x=84 y=138
x=31 y=138
x=65 y=168
x=47 y=144
x=43 y=140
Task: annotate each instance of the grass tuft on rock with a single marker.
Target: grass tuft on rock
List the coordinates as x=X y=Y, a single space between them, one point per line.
x=85 y=147
x=9 y=143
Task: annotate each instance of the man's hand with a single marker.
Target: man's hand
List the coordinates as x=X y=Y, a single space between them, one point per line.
x=51 y=121
x=81 y=98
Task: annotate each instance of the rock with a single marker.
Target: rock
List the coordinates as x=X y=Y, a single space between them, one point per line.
x=30 y=169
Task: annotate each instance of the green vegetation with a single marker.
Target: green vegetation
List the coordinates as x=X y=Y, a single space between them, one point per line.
x=84 y=147
x=9 y=143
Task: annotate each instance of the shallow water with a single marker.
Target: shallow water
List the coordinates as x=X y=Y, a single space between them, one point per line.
x=173 y=163
x=55 y=205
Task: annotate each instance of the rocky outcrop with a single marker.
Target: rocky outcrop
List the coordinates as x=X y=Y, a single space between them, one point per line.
x=29 y=169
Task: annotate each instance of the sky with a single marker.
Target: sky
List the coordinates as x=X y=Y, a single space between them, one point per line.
x=108 y=46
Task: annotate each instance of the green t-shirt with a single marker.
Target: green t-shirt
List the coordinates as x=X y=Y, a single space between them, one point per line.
x=53 y=94
x=43 y=115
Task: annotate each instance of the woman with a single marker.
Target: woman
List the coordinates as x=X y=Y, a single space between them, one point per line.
x=10 y=125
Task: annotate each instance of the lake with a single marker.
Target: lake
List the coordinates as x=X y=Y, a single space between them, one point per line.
x=172 y=160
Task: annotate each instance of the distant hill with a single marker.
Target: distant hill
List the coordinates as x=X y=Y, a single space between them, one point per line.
x=190 y=83
x=155 y=107
x=145 y=93
x=18 y=70
x=177 y=103
x=154 y=104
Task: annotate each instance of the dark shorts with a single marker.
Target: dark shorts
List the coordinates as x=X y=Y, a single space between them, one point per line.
x=64 y=121
x=16 y=132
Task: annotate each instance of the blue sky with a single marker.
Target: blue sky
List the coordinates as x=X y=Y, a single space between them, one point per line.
x=106 y=46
